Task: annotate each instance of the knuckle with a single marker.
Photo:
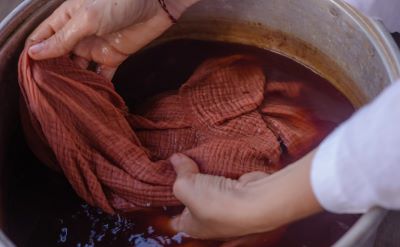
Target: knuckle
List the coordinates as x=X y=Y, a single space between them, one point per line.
x=205 y=215
x=90 y=19
x=61 y=8
x=178 y=187
x=60 y=42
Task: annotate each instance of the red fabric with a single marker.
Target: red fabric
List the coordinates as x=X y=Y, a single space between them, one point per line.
x=226 y=117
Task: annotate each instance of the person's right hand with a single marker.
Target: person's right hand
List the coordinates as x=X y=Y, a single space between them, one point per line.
x=216 y=207
x=102 y=31
x=222 y=208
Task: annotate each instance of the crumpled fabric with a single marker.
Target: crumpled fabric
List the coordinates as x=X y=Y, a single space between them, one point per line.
x=227 y=117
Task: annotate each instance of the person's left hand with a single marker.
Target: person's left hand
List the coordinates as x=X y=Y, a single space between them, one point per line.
x=103 y=31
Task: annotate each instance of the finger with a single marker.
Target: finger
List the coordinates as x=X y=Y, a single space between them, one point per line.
x=49 y=27
x=183 y=165
x=82 y=62
x=106 y=72
x=161 y=222
x=53 y=23
x=63 y=41
x=185 y=223
x=252 y=176
x=184 y=185
x=96 y=48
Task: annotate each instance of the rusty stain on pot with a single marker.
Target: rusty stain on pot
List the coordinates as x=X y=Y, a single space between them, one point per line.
x=255 y=34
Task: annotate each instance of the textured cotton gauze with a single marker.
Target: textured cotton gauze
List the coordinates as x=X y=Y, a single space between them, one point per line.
x=227 y=117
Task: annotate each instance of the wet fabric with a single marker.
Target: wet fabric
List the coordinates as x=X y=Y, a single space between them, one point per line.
x=227 y=117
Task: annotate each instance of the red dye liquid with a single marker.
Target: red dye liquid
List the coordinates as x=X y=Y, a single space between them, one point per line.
x=43 y=210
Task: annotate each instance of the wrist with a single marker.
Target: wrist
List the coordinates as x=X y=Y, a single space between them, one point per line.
x=284 y=197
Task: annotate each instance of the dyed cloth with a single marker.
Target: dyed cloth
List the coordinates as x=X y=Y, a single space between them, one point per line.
x=226 y=117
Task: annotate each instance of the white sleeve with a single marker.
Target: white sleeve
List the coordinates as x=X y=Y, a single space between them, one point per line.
x=385 y=10
x=358 y=166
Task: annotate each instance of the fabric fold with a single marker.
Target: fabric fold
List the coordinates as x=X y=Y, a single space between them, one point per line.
x=227 y=117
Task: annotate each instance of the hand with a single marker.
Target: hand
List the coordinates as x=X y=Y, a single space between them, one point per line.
x=221 y=208
x=103 y=31
x=217 y=207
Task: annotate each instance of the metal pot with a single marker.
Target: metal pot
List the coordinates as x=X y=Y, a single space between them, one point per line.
x=355 y=53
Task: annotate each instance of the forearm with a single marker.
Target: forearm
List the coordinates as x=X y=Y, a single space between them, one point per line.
x=357 y=167
x=284 y=197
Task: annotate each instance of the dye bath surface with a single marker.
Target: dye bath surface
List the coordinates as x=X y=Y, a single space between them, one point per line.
x=43 y=210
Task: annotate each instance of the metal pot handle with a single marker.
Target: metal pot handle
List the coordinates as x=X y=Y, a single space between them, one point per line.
x=357 y=235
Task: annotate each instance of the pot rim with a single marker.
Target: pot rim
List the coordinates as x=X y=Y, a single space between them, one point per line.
x=374 y=30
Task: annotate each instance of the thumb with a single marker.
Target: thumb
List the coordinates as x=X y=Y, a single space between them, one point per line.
x=183 y=165
x=186 y=170
x=63 y=41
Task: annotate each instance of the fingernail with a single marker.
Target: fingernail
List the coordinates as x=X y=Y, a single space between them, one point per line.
x=37 y=48
x=176 y=158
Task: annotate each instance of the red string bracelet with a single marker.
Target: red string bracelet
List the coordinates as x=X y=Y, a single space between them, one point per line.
x=164 y=7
